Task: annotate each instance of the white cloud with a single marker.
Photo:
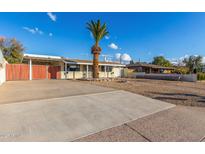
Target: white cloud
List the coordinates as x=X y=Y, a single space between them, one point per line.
x=50 y=34
x=126 y=57
x=183 y=57
x=107 y=37
x=186 y=56
x=123 y=57
x=117 y=56
x=38 y=31
x=52 y=16
x=33 y=30
x=29 y=30
x=179 y=61
x=113 y=46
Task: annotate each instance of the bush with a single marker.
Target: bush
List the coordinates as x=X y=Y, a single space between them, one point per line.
x=181 y=70
x=201 y=76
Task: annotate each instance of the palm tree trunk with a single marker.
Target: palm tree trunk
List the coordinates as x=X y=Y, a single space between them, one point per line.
x=95 y=65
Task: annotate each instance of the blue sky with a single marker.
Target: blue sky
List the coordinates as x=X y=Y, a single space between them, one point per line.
x=141 y=35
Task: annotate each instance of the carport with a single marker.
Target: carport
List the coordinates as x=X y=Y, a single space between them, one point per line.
x=35 y=68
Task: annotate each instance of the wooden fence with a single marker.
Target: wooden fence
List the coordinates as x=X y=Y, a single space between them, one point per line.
x=22 y=72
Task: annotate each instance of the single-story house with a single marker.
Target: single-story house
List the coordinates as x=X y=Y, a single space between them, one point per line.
x=55 y=67
x=149 y=68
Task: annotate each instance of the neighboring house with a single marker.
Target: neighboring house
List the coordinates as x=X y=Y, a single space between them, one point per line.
x=149 y=68
x=55 y=67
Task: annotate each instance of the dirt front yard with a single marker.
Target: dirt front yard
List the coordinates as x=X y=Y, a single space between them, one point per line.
x=176 y=92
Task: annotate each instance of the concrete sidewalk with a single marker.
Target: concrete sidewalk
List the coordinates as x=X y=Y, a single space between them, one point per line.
x=73 y=117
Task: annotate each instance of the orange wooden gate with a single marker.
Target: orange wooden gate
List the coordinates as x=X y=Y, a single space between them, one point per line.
x=17 y=72
x=39 y=72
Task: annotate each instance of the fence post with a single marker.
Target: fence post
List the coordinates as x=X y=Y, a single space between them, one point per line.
x=30 y=69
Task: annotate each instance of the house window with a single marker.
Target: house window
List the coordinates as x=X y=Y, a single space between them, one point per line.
x=108 y=68
x=102 y=68
x=84 y=68
x=73 y=68
x=89 y=68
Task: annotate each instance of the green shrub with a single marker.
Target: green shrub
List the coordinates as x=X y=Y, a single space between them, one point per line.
x=181 y=70
x=201 y=76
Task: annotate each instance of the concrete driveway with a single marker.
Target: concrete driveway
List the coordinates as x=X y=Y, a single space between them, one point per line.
x=79 y=110
x=17 y=91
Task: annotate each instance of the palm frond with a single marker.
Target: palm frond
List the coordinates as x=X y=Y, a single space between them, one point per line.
x=98 y=31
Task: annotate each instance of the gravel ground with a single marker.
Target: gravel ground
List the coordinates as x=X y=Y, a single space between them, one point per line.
x=179 y=124
x=176 y=92
x=182 y=123
x=116 y=134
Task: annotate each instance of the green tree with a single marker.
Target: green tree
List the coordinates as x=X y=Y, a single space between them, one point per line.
x=194 y=63
x=12 y=50
x=98 y=32
x=160 y=60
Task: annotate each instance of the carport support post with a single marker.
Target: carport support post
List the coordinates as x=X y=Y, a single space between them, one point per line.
x=66 y=70
x=30 y=69
x=86 y=71
x=105 y=71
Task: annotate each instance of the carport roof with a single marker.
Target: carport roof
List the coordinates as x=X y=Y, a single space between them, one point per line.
x=42 y=57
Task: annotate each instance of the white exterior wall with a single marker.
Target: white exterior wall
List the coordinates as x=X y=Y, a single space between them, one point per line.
x=3 y=73
x=75 y=75
x=116 y=72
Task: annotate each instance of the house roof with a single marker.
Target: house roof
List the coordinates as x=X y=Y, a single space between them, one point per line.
x=89 y=62
x=67 y=60
x=149 y=66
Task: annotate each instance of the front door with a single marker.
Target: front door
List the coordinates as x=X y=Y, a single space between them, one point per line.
x=54 y=72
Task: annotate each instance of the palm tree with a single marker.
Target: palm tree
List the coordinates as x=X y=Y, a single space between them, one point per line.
x=98 y=32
